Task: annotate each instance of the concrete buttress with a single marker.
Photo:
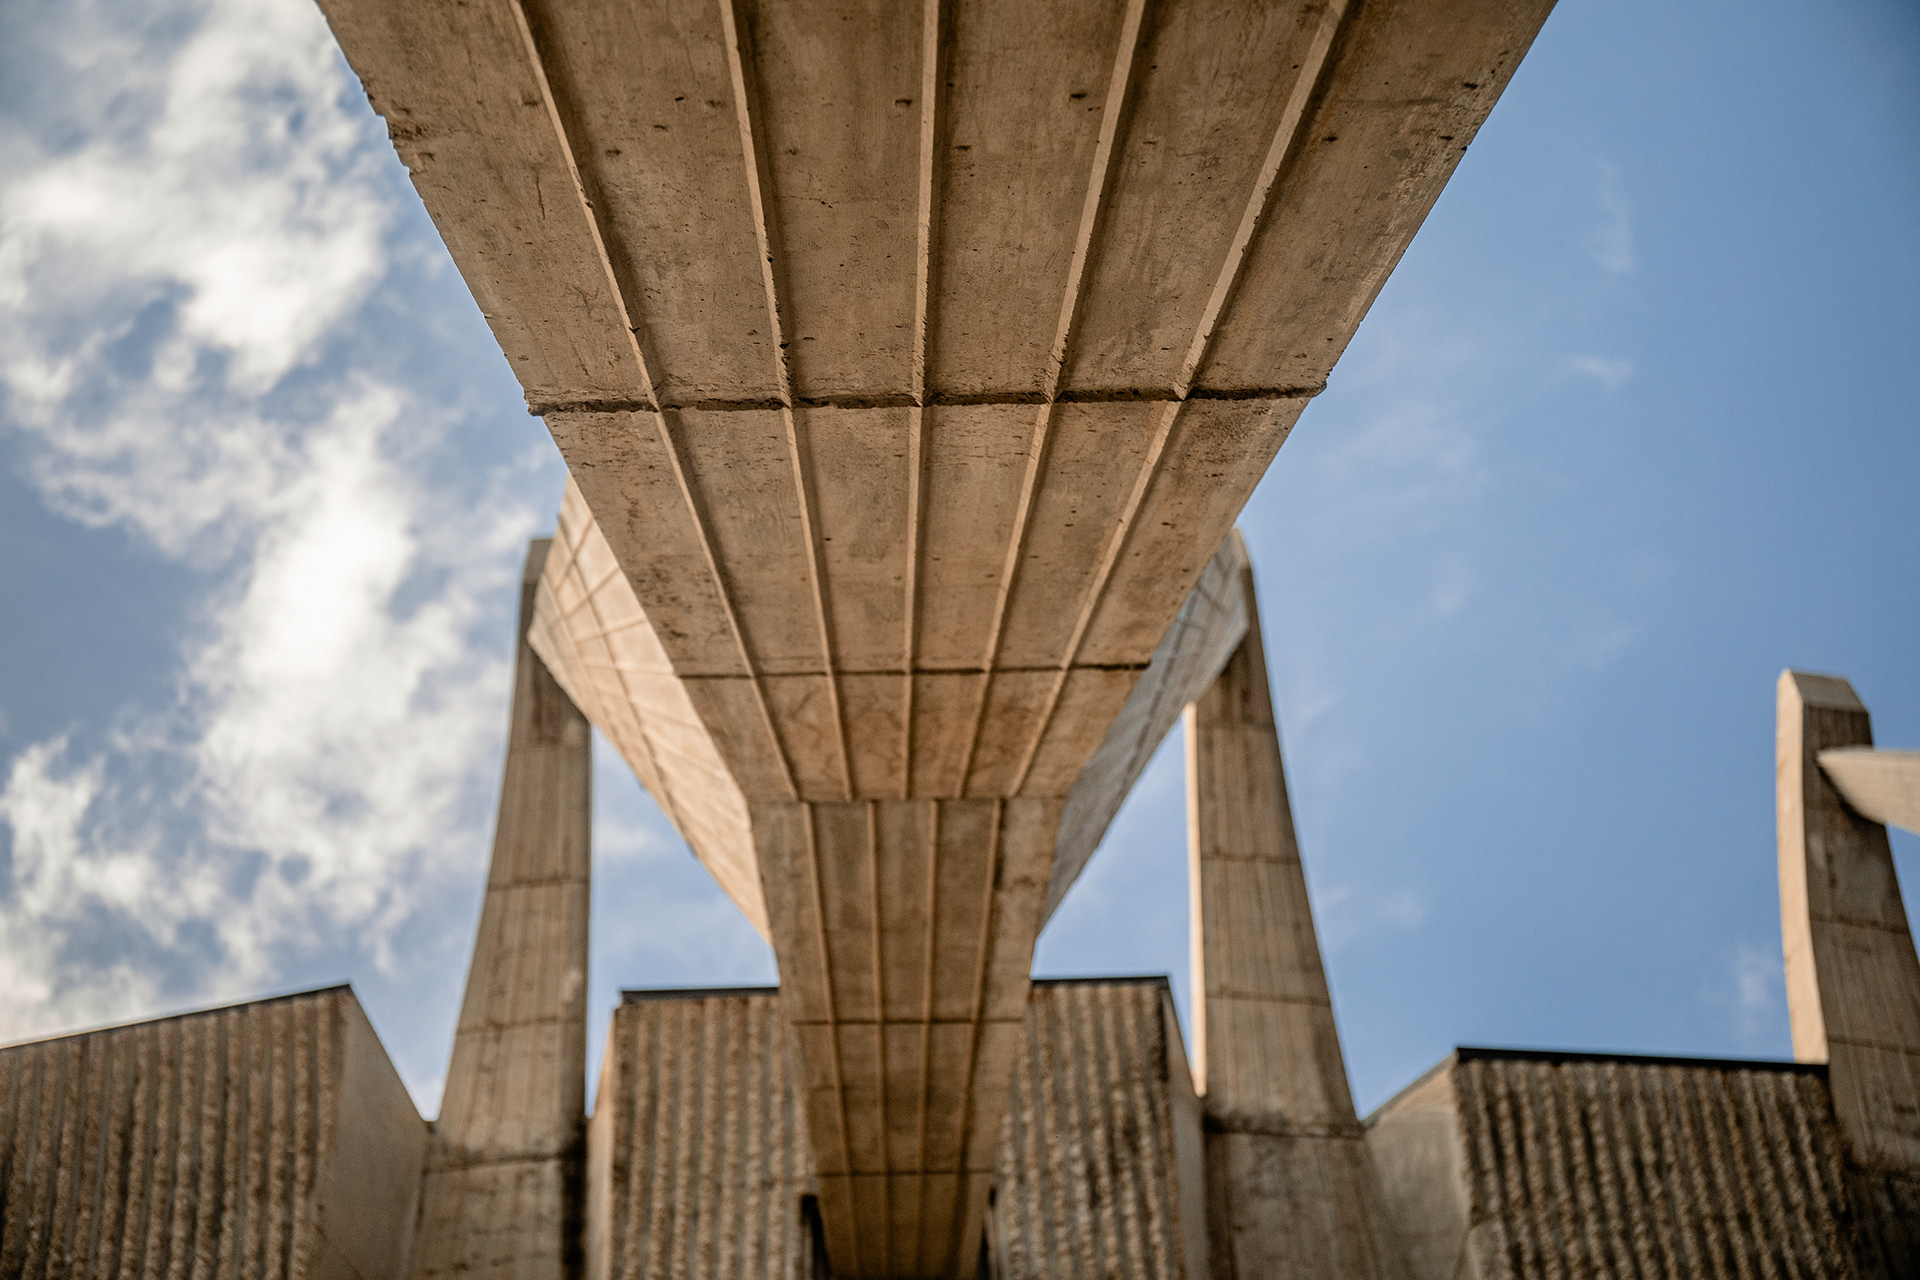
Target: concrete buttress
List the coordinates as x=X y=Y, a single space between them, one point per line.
x=504 y=1194
x=1853 y=980
x=1287 y=1178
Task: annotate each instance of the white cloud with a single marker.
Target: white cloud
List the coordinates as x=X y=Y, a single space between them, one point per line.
x=188 y=289
x=1609 y=373
x=1453 y=582
x=1342 y=917
x=1750 y=990
x=1610 y=244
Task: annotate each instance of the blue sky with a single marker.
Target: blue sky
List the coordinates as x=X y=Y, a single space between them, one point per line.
x=1630 y=429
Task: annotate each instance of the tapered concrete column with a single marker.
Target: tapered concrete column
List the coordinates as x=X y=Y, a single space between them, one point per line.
x=1853 y=980
x=1287 y=1182
x=504 y=1193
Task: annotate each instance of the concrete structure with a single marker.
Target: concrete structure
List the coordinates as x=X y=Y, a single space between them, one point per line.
x=1501 y=1164
x=504 y=1179
x=1881 y=786
x=911 y=364
x=1853 y=981
x=700 y=1164
x=271 y=1138
x=275 y=1137
x=913 y=361
x=1290 y=1193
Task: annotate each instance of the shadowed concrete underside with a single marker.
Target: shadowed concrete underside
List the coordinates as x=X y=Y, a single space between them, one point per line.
x=913 y=363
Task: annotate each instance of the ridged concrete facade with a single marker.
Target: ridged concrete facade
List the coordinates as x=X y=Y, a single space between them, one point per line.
x=266 y=1139
x=697 y=1154
x=1505 y=1165
x=699 y=1164
x=1101 y=1170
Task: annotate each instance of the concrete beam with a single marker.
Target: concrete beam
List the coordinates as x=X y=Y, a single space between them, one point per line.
x=908 y=422
x=1880 y=786
x=1853 y=979
x=504 y=1188
x=1289 y=1189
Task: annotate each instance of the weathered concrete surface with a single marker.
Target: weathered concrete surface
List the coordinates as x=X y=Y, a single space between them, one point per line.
x=504 y=1186
x=700 y=1165
x=1508 y=1165
x=914 y=361
x=1288 y=1187
x=595 y=639
x=271 y=1138
x=1881 y=786
x=1422 y=1192
x=1101 y=1169
x=697 y=1153
x=1853 y=979
x=921 y=1029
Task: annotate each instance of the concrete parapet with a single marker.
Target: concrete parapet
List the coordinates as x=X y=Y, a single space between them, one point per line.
x=699 y=1163
x=1507 y=1165
x=269 y=1138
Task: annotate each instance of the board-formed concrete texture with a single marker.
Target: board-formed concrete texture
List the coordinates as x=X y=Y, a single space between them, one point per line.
x=1288 y=1187
x=1853 y=979
x=503 y=1189
x=1507 y=1165
x=271 y=1138
x=913 y=361
x=699 y=1165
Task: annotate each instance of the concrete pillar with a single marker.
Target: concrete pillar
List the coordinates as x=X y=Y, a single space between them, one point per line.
x=504 y=1191
x=1287 y=1178
x=1853 y=981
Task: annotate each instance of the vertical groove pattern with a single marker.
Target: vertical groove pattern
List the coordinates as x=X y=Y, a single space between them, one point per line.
x=710 y=1155
x=192 y=1147
x=1588 y=1168
x=710 y=1158
x=1086 y=1183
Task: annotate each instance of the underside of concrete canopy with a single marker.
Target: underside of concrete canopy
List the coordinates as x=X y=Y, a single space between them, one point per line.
x=912 y=364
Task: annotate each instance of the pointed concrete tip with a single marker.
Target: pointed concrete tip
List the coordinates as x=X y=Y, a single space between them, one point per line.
x=1822 y=691
x=536 y=559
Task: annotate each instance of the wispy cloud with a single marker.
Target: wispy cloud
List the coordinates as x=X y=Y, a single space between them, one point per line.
x=1750 y=991
x=1610 y=244
x=1343 y=917
x=188 y=270
x=1612 y=374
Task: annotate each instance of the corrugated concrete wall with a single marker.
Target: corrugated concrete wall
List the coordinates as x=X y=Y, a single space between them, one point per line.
x=699 y=1164
x=266 y=1139
x=698 y=1154
x=1101 y=1165
x=1575 y=1166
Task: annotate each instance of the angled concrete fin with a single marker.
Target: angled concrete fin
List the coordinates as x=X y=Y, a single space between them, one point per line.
x=1288 y=1183
x=1853 y=980
x=503 y=1194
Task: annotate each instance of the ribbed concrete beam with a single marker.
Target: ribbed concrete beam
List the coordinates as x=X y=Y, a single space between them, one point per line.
x=504 y=1190
x=904 y=927
x=1853 y=978
x=1288 y=1184
x=913 y=361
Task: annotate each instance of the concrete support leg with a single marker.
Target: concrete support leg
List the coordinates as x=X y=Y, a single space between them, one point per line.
x=503 y=1192
x=1287 y=1177
x=1853 y=980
